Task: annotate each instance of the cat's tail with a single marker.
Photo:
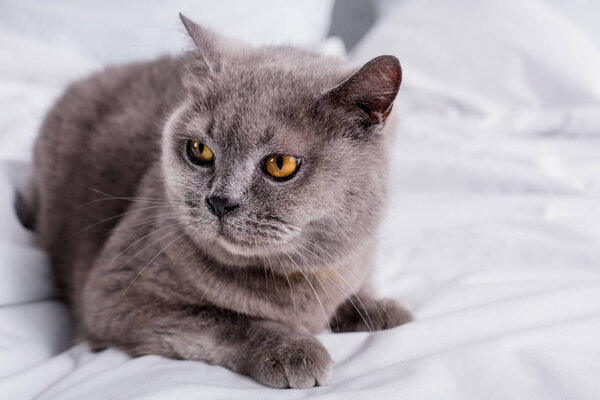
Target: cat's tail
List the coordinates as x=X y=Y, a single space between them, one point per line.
x=25 y=198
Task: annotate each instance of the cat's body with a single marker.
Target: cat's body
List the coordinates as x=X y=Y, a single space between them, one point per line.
x=139 y=245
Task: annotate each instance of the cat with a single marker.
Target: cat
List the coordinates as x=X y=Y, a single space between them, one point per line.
x=221 y=205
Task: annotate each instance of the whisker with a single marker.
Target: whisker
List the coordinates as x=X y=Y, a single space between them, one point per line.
x=148 y=246
x=115 y=217
x=289 y=283
x=266 y=280
x=315 y=273
x=143 y=224
x=136 y=242
x=368 y=323
x=274 y=280
x=365 y=317
x=349 y=287
x=313 y=289
x=129 y=199
x=150 y=262
x=135 y=198
x=150 y=220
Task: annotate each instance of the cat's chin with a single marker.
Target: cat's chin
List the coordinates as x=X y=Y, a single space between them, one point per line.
x=237 y=247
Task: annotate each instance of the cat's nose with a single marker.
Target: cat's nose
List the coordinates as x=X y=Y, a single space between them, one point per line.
x=221 y=205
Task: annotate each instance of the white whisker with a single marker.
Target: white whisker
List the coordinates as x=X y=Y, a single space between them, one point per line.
x=150 y=262
x=313 y=289
x=289 y=282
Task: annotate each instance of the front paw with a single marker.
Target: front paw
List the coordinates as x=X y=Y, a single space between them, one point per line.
x=294 y=362
x=369 y=314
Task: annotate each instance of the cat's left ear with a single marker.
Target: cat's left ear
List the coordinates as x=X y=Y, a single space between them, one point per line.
x=210 y=47
x=370 y=91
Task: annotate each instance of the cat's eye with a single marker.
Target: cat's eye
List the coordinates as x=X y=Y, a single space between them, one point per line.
x=281 y=166
x=199 y=153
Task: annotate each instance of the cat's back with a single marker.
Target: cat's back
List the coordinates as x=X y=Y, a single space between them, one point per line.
x=96 y=143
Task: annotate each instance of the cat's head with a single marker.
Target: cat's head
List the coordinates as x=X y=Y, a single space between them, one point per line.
x=275 y=147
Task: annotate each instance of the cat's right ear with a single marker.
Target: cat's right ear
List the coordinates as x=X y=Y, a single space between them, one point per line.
x=368 y=94
x=207 y=44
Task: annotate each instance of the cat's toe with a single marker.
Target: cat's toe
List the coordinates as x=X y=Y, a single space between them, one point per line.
x=295 y=363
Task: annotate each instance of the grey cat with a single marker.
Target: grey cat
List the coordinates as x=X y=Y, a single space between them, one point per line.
x=220 y=206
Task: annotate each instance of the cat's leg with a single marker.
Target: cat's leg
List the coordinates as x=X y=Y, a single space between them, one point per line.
x=268 y=351
x=362 y=312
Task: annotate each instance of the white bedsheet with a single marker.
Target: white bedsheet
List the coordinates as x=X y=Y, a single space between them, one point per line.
x=492 y=238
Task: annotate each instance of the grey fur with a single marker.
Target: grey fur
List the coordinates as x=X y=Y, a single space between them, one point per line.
x=145 y=265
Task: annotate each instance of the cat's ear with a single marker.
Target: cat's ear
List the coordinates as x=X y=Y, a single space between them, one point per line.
x=207 y=43
x=370 y=91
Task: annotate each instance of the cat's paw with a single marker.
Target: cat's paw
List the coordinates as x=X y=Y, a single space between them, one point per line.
x=295 y=362
x=388 y=314
x=369 y=314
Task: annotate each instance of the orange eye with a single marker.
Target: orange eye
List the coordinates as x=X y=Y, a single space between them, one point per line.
x=199 y=153
x=281 y=166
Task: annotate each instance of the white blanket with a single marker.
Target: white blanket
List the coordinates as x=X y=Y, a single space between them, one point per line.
x=492 y=238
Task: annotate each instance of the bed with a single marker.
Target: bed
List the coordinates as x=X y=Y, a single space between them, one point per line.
x=493 y=233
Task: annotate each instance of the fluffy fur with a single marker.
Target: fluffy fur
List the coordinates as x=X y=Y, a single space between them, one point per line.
x=144 y=263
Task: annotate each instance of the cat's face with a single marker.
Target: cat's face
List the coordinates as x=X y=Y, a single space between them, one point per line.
x=263 y=155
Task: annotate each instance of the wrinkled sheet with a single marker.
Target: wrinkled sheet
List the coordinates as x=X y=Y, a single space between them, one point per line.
x=492 y=237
